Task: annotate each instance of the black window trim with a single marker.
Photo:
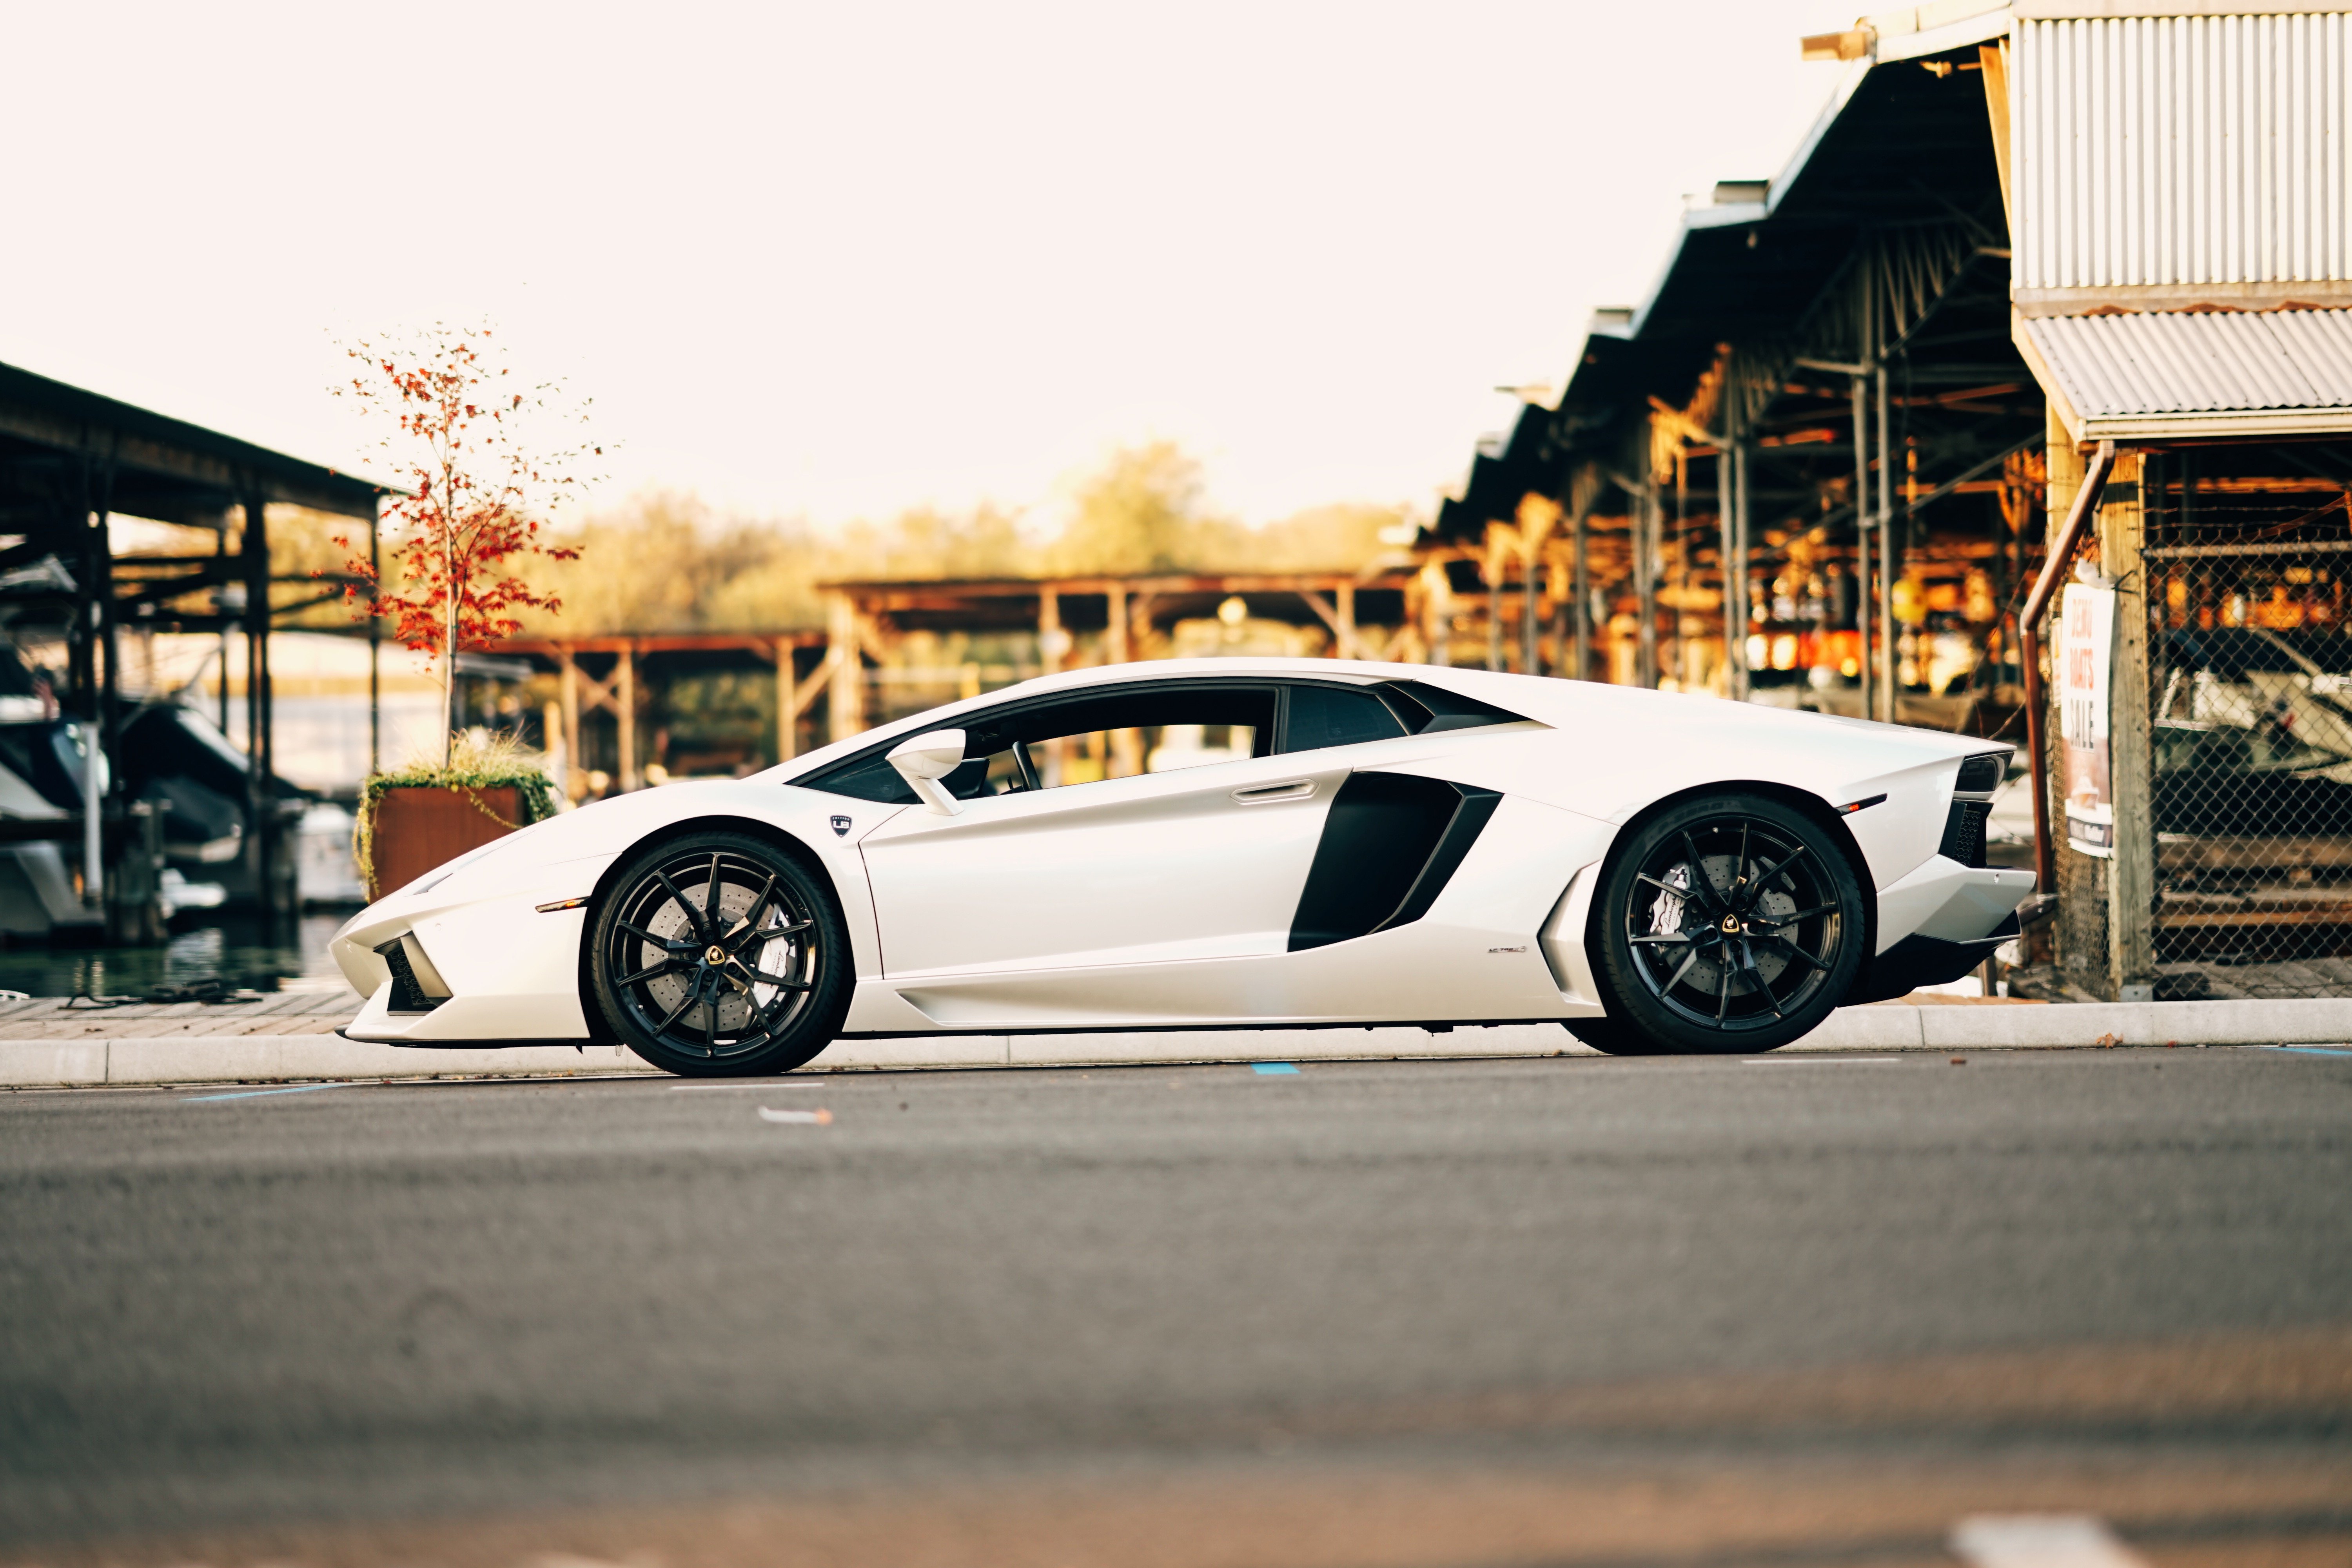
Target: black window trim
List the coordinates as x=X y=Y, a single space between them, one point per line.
x=978 y=717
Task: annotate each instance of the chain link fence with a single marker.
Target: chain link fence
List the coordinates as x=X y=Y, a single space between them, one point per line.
x=2249 y=665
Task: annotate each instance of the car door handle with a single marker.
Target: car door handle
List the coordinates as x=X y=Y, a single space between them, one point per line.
x=1266 y=794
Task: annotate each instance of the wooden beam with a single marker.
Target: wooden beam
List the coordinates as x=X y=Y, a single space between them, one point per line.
x=599 y=696
x=1994 y=58
x=625 y=706
x=794 y=699
x=759 y=645
x=1330 y=617
x=1346 y=640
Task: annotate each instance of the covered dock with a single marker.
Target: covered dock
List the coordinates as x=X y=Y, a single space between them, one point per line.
x=71 y=461
x=2049 y=310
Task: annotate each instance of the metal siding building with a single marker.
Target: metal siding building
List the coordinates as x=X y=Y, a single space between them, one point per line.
x=2151 y=150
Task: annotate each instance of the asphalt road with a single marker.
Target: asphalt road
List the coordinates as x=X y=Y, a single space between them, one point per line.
x=1203 y=1291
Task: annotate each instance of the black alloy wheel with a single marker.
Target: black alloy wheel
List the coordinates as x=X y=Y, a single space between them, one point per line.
x=721 y=956
x=1730 y=923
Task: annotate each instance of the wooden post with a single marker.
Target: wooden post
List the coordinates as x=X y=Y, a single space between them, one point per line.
x=2131 y=870
x=1115 y=624
x=257 y=750
x=1645 y=584
x=1858 y=390
x=1866 y=339
x=1537 y=516
x=1557 y=575
x=845 y=703
x=624 y=697
x=1437 y=613
x=1049 y=630
x=1343 y=599
x=1530 y=612
x=103 y=742
x=1577 y=667
x=1737 y=566
x=787 y=717
x=1727 y=470
x=1139 y=621
x=568 y=682
x=1050 y=639
x=551 y=725
x=1886 y=566
x=1680 y=662
x=1492 y=569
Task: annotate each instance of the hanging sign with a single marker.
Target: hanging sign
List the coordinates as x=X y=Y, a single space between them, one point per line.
x=2086 y=643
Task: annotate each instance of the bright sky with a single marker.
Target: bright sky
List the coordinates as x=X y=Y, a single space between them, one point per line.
x=835 y=260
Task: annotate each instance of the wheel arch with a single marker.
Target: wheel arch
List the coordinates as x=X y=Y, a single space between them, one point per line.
x=1810 y=806
x=791 y=843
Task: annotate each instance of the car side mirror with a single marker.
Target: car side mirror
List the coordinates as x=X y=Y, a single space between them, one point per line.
x=927 y=759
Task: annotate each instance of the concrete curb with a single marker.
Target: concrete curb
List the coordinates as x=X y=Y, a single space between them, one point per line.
x=274 y=1058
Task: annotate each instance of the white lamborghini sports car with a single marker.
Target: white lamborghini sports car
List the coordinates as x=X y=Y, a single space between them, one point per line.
x=1223 y=843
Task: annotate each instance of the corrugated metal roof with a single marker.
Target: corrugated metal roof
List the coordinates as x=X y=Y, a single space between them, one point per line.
x=2158 y=373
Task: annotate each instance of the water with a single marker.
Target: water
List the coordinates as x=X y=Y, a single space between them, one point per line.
x=229 y=946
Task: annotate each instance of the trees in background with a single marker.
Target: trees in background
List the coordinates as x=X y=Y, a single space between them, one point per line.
x=667 y=560
x=1144 y=511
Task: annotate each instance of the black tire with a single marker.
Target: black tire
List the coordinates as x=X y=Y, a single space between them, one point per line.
x=692 y=989
x=1770 y=944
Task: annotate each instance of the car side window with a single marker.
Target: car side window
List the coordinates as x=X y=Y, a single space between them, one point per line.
x=869 y=777
x=1082 y=738
x=1427 y=710
x=1320 y=716
x=1119 y=734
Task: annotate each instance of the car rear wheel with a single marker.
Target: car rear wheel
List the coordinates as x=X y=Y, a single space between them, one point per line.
x=720 y=955
x=1730 y=922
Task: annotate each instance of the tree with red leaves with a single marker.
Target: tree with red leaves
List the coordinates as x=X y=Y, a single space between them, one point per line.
x=453 y=425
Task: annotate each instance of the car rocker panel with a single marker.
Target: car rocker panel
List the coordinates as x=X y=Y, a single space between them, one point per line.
x=1469 y=956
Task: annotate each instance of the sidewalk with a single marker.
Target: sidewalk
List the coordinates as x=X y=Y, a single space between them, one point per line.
x=290 y=1037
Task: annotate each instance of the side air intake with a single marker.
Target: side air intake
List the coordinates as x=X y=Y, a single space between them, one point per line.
x=1963 y=832
x=1389 y=846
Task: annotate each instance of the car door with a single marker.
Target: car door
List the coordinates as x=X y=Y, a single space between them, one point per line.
x=1200 y=863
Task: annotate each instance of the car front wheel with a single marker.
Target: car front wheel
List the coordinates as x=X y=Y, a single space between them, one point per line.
x=720 y=955
x=1728 y=922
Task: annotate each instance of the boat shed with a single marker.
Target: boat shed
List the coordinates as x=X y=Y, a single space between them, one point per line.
x=70 y=460
x=2040 y=337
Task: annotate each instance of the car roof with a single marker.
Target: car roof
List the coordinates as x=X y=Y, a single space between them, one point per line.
x=1352 y=672
x=1547 y=700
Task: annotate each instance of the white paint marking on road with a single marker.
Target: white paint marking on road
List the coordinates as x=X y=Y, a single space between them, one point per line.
x=2041 y=1541
x=258 y=1093
x=1812 y=1061
x=819 y=1118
